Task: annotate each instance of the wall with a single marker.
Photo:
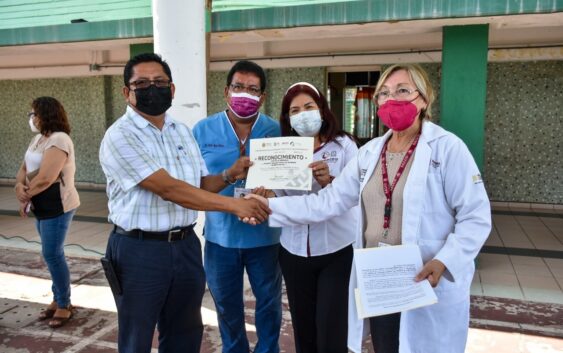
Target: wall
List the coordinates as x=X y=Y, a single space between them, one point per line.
x=84 y=100
x=523 y=132
x=524 y=123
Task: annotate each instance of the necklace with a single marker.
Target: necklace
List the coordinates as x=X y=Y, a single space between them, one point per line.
x=39 y=140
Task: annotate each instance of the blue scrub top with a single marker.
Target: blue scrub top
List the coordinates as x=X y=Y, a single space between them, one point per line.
x=220 y=148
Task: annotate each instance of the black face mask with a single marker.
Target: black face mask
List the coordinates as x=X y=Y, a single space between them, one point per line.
x=153 y=100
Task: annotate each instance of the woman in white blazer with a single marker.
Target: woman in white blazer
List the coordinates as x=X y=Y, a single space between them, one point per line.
x=316 y=258
x=417 y=184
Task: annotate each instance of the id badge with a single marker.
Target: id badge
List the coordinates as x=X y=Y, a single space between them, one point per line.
x=241 y=192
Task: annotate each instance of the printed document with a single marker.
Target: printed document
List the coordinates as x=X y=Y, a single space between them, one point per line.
x=281 y=163
x=386 y=280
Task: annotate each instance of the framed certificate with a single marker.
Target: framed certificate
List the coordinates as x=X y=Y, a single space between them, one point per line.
x=281 y=163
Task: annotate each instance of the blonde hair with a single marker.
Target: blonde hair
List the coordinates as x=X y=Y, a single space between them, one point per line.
x=420 y=79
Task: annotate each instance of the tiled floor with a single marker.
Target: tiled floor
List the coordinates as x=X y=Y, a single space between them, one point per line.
x=519 y=273
x=535 y=232
x=516 y=226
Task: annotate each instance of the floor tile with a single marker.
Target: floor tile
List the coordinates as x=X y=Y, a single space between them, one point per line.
x=542 y=289
x=532 y=270
x=495 y=263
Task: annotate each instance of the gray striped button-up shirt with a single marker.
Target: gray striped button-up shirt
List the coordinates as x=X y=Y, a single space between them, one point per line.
x=133 y=149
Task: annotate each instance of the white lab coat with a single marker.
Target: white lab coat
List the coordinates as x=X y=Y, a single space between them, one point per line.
x=446 y=212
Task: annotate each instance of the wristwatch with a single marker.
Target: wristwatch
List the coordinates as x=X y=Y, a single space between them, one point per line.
x=226 y=178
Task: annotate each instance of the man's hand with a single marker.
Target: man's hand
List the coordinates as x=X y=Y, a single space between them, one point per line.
x=432 y=271
x=239 y=169
x=251 y=209
x=321 y=173
x=21 y=193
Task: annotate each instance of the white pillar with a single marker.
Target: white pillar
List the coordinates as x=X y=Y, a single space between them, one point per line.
x=179 y=36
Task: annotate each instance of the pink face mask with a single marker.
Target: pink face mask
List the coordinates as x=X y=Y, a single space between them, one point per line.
x=244 y=105
x=397 y=115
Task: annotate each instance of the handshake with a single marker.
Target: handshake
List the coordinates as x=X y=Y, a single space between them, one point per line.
x=253 y=208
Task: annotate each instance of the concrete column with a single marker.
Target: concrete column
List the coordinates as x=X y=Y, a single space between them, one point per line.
x=179 y=29
x=464 y=85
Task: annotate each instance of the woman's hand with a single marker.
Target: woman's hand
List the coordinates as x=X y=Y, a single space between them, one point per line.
x=321 y=173
x=261 y=191
x=24 y=208
x=251 y=220
x=239 y=169
x=432 y=271
x=21 y=193
x=250 y=209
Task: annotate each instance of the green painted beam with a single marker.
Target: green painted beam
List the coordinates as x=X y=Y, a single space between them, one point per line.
x=364 y=11
x=78 y=32
x=463 y=87
x=24 y=22
x=136 y=49
x=33 y=13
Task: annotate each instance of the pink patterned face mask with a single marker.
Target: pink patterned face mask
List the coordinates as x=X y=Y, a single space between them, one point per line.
x=244 y=105
x=397 y=115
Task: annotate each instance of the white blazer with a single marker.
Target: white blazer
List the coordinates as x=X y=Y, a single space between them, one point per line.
x=334 y=234
x=446 y=212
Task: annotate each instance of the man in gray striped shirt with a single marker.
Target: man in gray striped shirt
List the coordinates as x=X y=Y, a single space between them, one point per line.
x=156 y=182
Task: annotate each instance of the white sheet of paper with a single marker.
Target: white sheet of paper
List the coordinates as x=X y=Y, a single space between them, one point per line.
x=281 y=163
x=386 y=280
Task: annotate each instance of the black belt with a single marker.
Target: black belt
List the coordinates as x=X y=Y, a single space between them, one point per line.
x=169 y=236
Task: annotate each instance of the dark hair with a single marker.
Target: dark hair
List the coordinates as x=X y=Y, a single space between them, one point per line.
x=51 y=115
x=144 y=58
x=248 y=67
x=330 y=129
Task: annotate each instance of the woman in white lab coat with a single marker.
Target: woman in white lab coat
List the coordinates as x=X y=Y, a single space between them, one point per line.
x=417 y=184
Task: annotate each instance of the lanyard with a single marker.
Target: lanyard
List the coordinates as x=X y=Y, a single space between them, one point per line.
x=388 y=189
x=242 y=145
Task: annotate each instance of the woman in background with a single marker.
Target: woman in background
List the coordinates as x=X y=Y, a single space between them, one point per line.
x=45 y=184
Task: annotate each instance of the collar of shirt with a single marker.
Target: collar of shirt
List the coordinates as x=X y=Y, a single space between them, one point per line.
x=233 y=128
x=142 y=123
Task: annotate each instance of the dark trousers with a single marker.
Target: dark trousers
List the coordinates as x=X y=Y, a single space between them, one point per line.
x=317 y=290
x=163 y=284
x=385 y=333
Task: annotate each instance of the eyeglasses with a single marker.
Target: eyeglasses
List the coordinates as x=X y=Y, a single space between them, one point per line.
x=401 y=94
x=143 y=83
x=30 y=115
x=238 y=88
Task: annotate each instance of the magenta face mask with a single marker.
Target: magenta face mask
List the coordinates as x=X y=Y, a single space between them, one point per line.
x=397 y=115
x=244 y=105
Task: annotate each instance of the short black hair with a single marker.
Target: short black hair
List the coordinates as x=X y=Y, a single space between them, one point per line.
x=144 y=58
x=250 y=67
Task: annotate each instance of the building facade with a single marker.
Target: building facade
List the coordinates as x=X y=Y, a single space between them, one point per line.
x=497 y=67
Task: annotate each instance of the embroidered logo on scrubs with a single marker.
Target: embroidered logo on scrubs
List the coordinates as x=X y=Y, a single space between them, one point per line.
x=477 y=179
x=330 y=156
x=434 y=164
